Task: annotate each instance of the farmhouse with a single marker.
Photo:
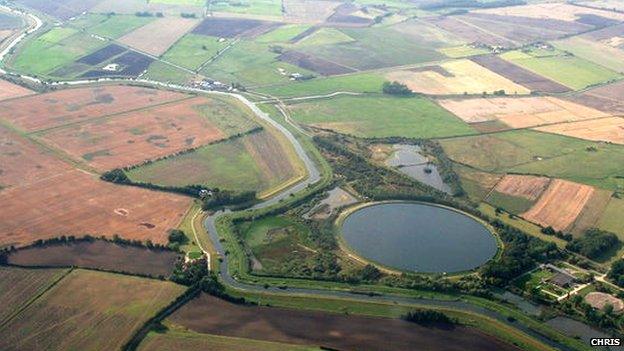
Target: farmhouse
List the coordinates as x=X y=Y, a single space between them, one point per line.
x=561 y=278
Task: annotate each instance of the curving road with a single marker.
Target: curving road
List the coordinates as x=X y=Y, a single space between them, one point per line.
x=313 y=176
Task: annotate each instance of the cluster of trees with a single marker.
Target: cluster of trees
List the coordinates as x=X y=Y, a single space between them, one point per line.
x=428 y=317
x=118 y=176
x=148 y=14
x=605 y=319
x=197 y=276
x=396 y=88
x=116 y=239
x=616 y=274
x=558 y=233
x=224 y=198
x=593 y=243
x=522 y=252
x=176 y=239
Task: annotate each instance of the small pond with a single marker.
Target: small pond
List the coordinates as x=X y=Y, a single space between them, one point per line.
x=418 y=237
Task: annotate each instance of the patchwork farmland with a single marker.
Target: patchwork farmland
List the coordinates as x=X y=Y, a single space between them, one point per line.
x=169 y=30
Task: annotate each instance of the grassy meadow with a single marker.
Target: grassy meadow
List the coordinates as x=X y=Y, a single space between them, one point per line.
x=380 y=116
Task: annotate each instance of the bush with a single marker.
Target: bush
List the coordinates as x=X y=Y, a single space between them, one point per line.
x=396 y=88
x=426 y=317
x=593 y=243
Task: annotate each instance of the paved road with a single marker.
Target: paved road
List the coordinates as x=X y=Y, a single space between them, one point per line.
x=313 y=177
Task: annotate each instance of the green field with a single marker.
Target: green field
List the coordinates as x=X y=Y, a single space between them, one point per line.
x=278 y=243
x=111 y=26
x=530 y=152
x=531 y=280
x=174 y=340
x=193 y=50
x=163 y=72
x=90 y=310
x=324 y=36
x=376 y=48
x=282 y=34
x=252 y=7
x=612 y=219
x=380 y=116
x=55 y=48
x=594 y=51
x=570 y=71
x=358 y=83
x=511 y=204
x=462 y=51
x=252 y=163
x=250 y=63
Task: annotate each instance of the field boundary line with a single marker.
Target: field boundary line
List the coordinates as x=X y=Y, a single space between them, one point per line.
x=35 y=298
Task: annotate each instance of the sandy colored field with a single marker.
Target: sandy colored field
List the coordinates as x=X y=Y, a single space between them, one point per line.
x=133 y=137
x=306 y=11
x=77 y=203
x=559 y=11
x=520 y=112
x=604 y=129
x=595 y=208
x=600 y=300
x=560 y=204
x=73 y=105
x=528 y=187
x=18 y=286
x=156 y=37
x=461 y=76
x=9 y=90
x=21 y=162
x=90 y=310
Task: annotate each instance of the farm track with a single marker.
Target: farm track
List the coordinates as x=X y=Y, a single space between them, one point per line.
x=314 y=176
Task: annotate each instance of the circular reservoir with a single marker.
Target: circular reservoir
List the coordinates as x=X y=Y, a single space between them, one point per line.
x=419 y=237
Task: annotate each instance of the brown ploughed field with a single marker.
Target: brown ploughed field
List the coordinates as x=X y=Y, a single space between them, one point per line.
x=207 y=314
x=560 y=205
x=156 y=37
x=75 y=105
x=77 y=203
x=98 y=254
x=528 y=187
x=9 y=90
x=133 y=137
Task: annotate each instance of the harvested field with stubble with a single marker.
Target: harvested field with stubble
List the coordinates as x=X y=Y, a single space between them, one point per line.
x=469 y=33
x=77 y=203
x=91 y=310
x=558 y=11
x=528 y=187
x=98 y=254
x=22 y=162
x=308 y=11
x=560 y=204
x=61 y=9
x=520 y=112
x=9 y=90
x=462 y=76
x=76 y=105
x=604 y=129
x=207 y=314
x=131 y=138
x=594 y=209
x=156 y=37
x=18 y=286
x=519 y=75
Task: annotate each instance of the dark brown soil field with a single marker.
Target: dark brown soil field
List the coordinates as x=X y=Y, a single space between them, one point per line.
x=102 y=54
x=519 y=75
x=207 y=314
x=74 y=105
x=233 y=27
x=606 y=33
x=98 y=254
x=342 y=17
x=608 y=98
x=316 y=64
x=437 y=69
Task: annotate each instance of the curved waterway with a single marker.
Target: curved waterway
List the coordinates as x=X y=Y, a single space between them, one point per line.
x=419 y=237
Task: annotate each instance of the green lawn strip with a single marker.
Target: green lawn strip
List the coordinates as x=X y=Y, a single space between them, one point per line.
x=570 y=71
x=282 y=34
x=324 y=36
x=193 y=50
x=462 y=51
x=357 y=83
x=186 y=225
x=380 y=116
x=594 y=51
x=520 y=224
x=612 y=220
x=512 y=204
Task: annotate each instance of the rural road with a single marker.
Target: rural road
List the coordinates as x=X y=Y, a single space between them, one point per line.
x=313 y=177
